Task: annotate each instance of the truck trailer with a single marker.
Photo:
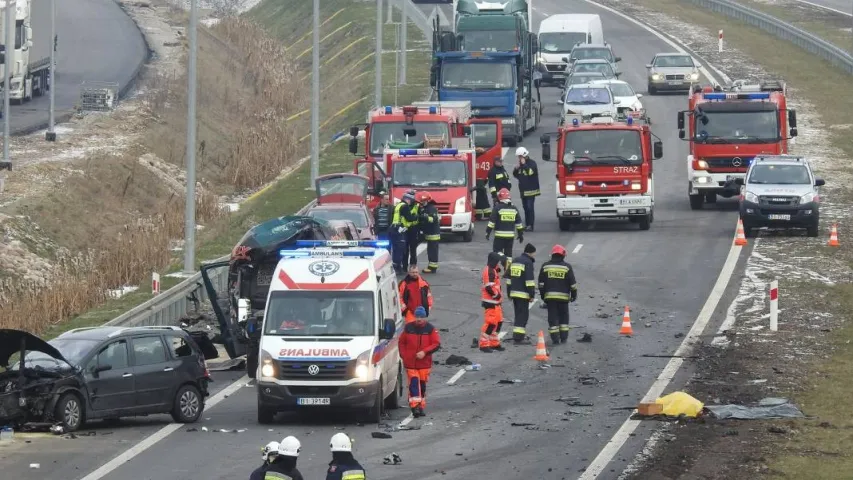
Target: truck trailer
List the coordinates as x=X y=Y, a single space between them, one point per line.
x=30 y=74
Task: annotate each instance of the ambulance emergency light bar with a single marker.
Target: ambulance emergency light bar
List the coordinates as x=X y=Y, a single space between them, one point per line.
x=428 y=151
x=342 y=243
x=737 y=96
x=409 y=110
x=325 y=248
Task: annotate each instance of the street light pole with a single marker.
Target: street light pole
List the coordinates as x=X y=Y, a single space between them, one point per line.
x=189 y=214
x=315 y=97
x=50 y=136
x=7 y=60
x=404 y=20
x=378 y=80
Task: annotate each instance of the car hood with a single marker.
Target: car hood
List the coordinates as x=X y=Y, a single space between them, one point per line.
x=10 y=344
x=783 y=190
x=628 y=101
x=674 y=70
x=588 y=109
x=553 y=57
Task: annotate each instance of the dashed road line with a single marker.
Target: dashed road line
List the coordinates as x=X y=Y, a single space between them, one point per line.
x=577 y=248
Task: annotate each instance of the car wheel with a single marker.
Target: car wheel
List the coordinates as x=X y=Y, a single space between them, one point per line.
x=374 y=413
x=565 y=224
x=188 y=405
x=652 y=90
x=252 y=363
x=393 y=400
x=813 y=230
x=696 y=201
x=265 y=415
x=645 y=222
x=69 y=412
x=748 y=232
x=469 y=235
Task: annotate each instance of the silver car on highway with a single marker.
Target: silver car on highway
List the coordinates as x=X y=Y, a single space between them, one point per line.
x=672 y=72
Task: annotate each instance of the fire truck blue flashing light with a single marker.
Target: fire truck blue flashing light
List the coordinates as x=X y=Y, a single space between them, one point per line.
x=575 y=122
x=429 y=151
x=630 y=120
x=738 y=96
x=342 y=243
x=433 y=110
x=388 y=110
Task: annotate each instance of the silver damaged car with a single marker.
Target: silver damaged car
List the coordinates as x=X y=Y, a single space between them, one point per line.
x=672 y=72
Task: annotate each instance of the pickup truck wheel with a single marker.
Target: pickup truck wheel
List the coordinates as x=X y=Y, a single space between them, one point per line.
x=393 y=400
x=265 y=415
x=645 y=222
x=696 y=201
x=188 y=405
x=813 y=230
x=565 y=224
x=469 y=235
x=69 y=412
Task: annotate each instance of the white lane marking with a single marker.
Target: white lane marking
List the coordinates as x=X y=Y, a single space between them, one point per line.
x=720 y=75
x=849 y=14
x=612 y=448
x=155 y=437
x=577 y=248
x=407 y=420
x=504 y=151
x=456 y=376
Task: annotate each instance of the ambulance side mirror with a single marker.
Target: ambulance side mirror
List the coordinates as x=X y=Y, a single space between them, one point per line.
x=389 y=328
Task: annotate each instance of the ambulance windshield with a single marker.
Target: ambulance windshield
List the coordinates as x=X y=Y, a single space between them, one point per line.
x=326 y=313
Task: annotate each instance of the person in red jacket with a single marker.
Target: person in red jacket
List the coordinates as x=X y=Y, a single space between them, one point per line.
x=417 y=343
x=414 y=293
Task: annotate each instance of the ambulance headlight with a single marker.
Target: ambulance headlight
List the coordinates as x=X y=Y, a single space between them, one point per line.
x=267 y=366
x=460 y=205
x=362 y=366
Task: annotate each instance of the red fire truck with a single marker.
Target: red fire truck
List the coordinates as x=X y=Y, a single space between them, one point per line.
x=728 y=129
x=427 y=125
x=604 y=170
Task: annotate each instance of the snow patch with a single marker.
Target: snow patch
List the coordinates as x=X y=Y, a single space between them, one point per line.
x=122 y=291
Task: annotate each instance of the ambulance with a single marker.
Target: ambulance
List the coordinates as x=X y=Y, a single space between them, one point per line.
x=330 y=331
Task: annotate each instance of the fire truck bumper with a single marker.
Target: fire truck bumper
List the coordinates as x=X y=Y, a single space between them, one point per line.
x=703 y=182
x=617 y=206
x=456 y=222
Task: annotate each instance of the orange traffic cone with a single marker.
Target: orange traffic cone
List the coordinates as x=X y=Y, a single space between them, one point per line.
x=541 y=352
x=626 y=323
x=833 y=236
x=740 y=240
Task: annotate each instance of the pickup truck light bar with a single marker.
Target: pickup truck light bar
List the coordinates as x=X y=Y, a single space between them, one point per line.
x=428 y=151
x=737 y=96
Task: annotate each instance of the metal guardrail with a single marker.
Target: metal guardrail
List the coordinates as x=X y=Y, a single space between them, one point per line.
x=783 y=30
x=174 y=303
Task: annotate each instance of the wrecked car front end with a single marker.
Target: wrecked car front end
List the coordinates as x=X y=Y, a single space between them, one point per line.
x=30 y=389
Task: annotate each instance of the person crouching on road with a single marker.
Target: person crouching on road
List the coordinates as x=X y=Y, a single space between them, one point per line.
x=414 y=292
x=430 y=223
x=284 y=465
x=382 y=215
x=558 y=287
x=268 y=453
x=343 y=465
x=522 y=291
x=491 y=298
x=417 y=343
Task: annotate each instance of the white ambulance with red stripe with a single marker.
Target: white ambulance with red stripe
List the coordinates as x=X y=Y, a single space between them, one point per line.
x=330 y=331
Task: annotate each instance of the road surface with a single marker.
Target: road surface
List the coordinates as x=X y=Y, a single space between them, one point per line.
x=664 y=275
x=97 y=42
x=844 y=7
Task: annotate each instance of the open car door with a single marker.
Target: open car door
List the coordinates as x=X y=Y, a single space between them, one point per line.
x=376 y=177
x=487 y=137
x=342 y=188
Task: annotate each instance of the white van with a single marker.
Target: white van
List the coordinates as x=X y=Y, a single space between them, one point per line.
x=557 y=35
x=330 y=330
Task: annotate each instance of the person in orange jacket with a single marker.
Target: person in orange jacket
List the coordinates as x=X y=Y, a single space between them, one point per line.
x=491 y=297
x=417 y=343
x=414 y=293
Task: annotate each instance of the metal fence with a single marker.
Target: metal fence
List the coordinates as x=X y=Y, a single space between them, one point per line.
x=783 y=30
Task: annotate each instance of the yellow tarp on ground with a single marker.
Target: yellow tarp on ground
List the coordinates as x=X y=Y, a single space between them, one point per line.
x=680 y=403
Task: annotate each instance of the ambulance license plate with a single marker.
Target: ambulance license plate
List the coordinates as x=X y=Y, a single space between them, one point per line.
x=778 y=216
x=313 y=401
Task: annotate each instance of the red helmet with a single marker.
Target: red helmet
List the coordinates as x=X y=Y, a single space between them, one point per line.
x=424 y=197
x=503 y=194
x=558 y=250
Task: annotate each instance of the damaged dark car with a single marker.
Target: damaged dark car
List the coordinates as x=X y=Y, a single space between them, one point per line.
x=102 y=373
x=240 y=310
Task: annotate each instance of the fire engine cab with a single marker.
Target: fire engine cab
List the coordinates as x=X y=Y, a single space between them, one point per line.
x=728 y=129
x=605 y=170
x=447 y=174
x=330 y=330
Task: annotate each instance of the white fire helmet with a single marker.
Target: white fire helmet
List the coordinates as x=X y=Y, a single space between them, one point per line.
x=521 y=152
x=270 y=449
x=341 y=443
x=289 y=447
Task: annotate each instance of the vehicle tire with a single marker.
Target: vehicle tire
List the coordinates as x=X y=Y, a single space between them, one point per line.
x=265 y=415
x=188 y=405
x=374 y=413
x=813 y=230
x=652 y=90
x=469 y=235
x=69 y=412
x=710 y=198
x=748 y=232
x=645 y=222
x=652 y=217
x=251 y=364
x=696 y=201
x=565 y=224
x=393 y=400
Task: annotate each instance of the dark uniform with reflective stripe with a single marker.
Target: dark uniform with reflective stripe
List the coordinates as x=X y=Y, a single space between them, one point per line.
x=430 y=222
x=528 y=185
x=522 y=291
x=505 y=222
x=558 y=287
x=412 y=222
x=348 y=471
x=398 y=240
x=498 y=178
x=277 y=471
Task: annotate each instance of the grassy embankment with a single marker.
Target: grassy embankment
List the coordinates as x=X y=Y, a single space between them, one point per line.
x=254 y=123
x=818 y=446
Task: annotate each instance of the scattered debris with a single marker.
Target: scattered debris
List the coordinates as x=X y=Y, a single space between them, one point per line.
x=509 y=382
x=775 y=429
x=589 y=380
x=587 y=338
x=457 y=360
x=573 y=402
x=35 y=465
x=648 y=355
x=192 y=430
x=231 y=364
x=766 y=408
x=757 y=381
x=392 y=459
x=204 y=429
x=514 y=424
x=679 y=335
x=677 y=404
x=648 y=409
x=473 y=368
x=57 y=429
x=380 y=435
x=443 y=329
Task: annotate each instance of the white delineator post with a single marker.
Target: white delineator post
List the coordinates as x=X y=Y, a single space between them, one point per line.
x=720 y=42
x=774 y=306
x=155 y=283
